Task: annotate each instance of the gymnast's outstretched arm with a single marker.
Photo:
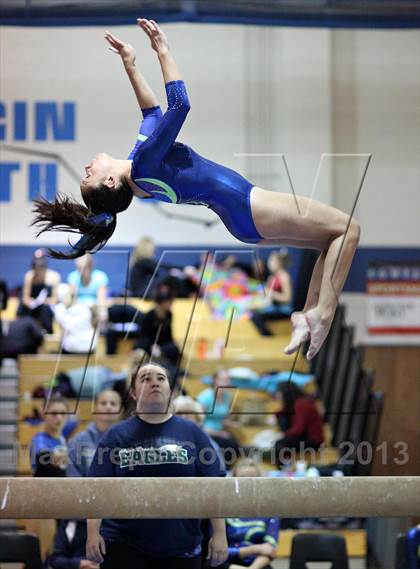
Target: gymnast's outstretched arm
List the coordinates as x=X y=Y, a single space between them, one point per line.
x=160 y=45
x=144 y=93
x=146 y=98
x=160 y=142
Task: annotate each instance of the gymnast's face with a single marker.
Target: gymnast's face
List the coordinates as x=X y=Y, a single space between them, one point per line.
x=97 y=172
x=151 y=390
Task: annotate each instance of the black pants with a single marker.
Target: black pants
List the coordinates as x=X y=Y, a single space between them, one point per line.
x=121 y=314
x=42 y=314
x=260 y=318
x=292 y=445
x=122 y=556
x=229 y=448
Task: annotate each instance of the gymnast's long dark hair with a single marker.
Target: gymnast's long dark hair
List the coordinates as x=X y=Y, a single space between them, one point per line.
x=96 y=221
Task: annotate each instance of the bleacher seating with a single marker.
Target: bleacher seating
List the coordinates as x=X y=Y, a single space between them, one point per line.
x=332 y=346
x=335 y=401
x=337 y=368
x=370 y=431
x=351 y=389
x=353 y=410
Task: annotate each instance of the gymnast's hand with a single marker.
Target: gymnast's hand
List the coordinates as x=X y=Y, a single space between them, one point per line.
x=124 y=50
x=158 y=39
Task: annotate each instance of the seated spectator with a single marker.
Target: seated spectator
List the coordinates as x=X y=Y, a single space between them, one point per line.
x=156 y=330
x=24 y=336
x=89 y=286
x=124 y=321
x=82 y=447
x=183 y=282
x=69 y=551
x=48 y=452
x=77 y=322
x=300 y=421
x=39 y=294
x=188 y=408
x=143 y=267
x=231 y=263
x=252 y=542
x=279 y=294
x=216 y=402
x=259 y=269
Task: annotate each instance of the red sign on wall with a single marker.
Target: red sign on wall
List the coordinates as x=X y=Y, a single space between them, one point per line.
x=393 y=302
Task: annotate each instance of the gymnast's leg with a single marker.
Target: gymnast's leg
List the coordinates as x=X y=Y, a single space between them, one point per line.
x=301 y=222
x=300 y=325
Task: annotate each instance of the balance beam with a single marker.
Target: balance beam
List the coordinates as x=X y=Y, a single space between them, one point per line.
x=208 y=497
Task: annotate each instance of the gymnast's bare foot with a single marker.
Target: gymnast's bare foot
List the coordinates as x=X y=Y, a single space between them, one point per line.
x=319 y=328
x=300 y=332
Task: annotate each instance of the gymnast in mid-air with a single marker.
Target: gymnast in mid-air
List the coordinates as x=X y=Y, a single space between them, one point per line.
x=159 y=167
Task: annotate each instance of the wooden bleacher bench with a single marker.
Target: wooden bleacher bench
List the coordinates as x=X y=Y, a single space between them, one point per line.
x=259 y=364
x=82 y=408
x=10 y=312
x=181 y=309
x=246 y=348
x=46 y=364
x=326 y=456
x=243 y=336
x=51 y=344
x=39 y=369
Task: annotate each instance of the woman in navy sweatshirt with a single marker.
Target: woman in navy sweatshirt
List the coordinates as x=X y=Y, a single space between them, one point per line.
x=154 y=443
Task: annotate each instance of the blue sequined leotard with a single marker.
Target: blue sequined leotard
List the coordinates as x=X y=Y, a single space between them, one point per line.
x=172 y=172
x=243 y=532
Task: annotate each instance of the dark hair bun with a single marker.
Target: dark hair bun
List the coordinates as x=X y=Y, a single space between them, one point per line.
x=163 y=292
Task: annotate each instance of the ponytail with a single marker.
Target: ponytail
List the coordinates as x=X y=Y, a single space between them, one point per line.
x=96 y=221
x=65 y=214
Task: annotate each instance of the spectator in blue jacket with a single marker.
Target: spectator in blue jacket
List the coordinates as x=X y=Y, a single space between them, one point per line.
x=83 y=446
x=48 y=451
x=252 y=542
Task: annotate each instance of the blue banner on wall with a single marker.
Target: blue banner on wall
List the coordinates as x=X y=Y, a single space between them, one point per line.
x=321 y=13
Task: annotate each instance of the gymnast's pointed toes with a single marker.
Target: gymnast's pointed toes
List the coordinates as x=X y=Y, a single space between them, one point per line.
x=312 y=352
x=291 y=348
